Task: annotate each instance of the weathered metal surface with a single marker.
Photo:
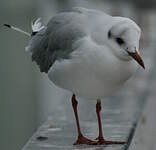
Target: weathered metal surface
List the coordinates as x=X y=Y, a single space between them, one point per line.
x=119 y=118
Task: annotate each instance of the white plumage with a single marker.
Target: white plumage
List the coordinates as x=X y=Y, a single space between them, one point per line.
x=97 y=66
x=92 y=72
x=37 y=25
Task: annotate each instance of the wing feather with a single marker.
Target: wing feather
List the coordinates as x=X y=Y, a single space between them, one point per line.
x=55 y=41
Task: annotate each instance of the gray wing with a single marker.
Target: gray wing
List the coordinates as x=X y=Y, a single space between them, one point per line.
x=56 y=40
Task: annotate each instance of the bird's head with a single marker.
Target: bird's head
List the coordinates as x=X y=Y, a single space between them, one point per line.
x=124 y=39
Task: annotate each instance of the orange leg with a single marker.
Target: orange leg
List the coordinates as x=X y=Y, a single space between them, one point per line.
x=81 y=139
x=100 y=139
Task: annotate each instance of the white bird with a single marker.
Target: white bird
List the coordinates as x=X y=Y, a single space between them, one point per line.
x=88 y=52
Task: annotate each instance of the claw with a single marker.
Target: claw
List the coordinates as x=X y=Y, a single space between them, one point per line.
x=104 y=142
x=83 y=140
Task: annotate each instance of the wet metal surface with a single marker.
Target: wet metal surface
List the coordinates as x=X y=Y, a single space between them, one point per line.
x=118 y=117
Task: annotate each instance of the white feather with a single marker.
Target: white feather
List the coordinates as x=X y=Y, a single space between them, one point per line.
x=37 y=25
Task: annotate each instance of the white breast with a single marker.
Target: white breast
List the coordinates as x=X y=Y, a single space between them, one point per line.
x=91 y=72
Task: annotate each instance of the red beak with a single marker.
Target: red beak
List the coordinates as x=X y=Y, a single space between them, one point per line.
x=137 y=58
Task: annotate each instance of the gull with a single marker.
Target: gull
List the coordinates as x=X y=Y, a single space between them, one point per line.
x=89 y=53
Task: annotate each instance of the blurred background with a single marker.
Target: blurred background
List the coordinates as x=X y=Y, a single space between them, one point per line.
x=27 y=97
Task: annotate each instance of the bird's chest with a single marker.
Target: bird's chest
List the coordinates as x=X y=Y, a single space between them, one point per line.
x=90 y=75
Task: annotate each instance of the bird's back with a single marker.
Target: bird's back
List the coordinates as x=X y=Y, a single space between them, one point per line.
x=56 y=40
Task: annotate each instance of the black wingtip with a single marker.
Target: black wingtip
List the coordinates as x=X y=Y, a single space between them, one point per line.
x=7 y=25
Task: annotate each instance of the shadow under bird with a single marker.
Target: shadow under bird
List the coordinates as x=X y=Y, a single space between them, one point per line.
x=88 y=52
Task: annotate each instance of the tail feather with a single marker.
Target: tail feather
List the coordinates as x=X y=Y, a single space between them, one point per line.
x=17 y=29
x=36 y=26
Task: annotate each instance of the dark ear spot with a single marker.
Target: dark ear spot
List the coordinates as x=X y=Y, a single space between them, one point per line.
x=109 y=34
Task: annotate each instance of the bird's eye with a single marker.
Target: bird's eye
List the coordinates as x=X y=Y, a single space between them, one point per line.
x=109 y=34
x=119 y=40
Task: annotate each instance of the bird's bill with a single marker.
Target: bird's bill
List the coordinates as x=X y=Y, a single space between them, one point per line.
x=137 y=58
